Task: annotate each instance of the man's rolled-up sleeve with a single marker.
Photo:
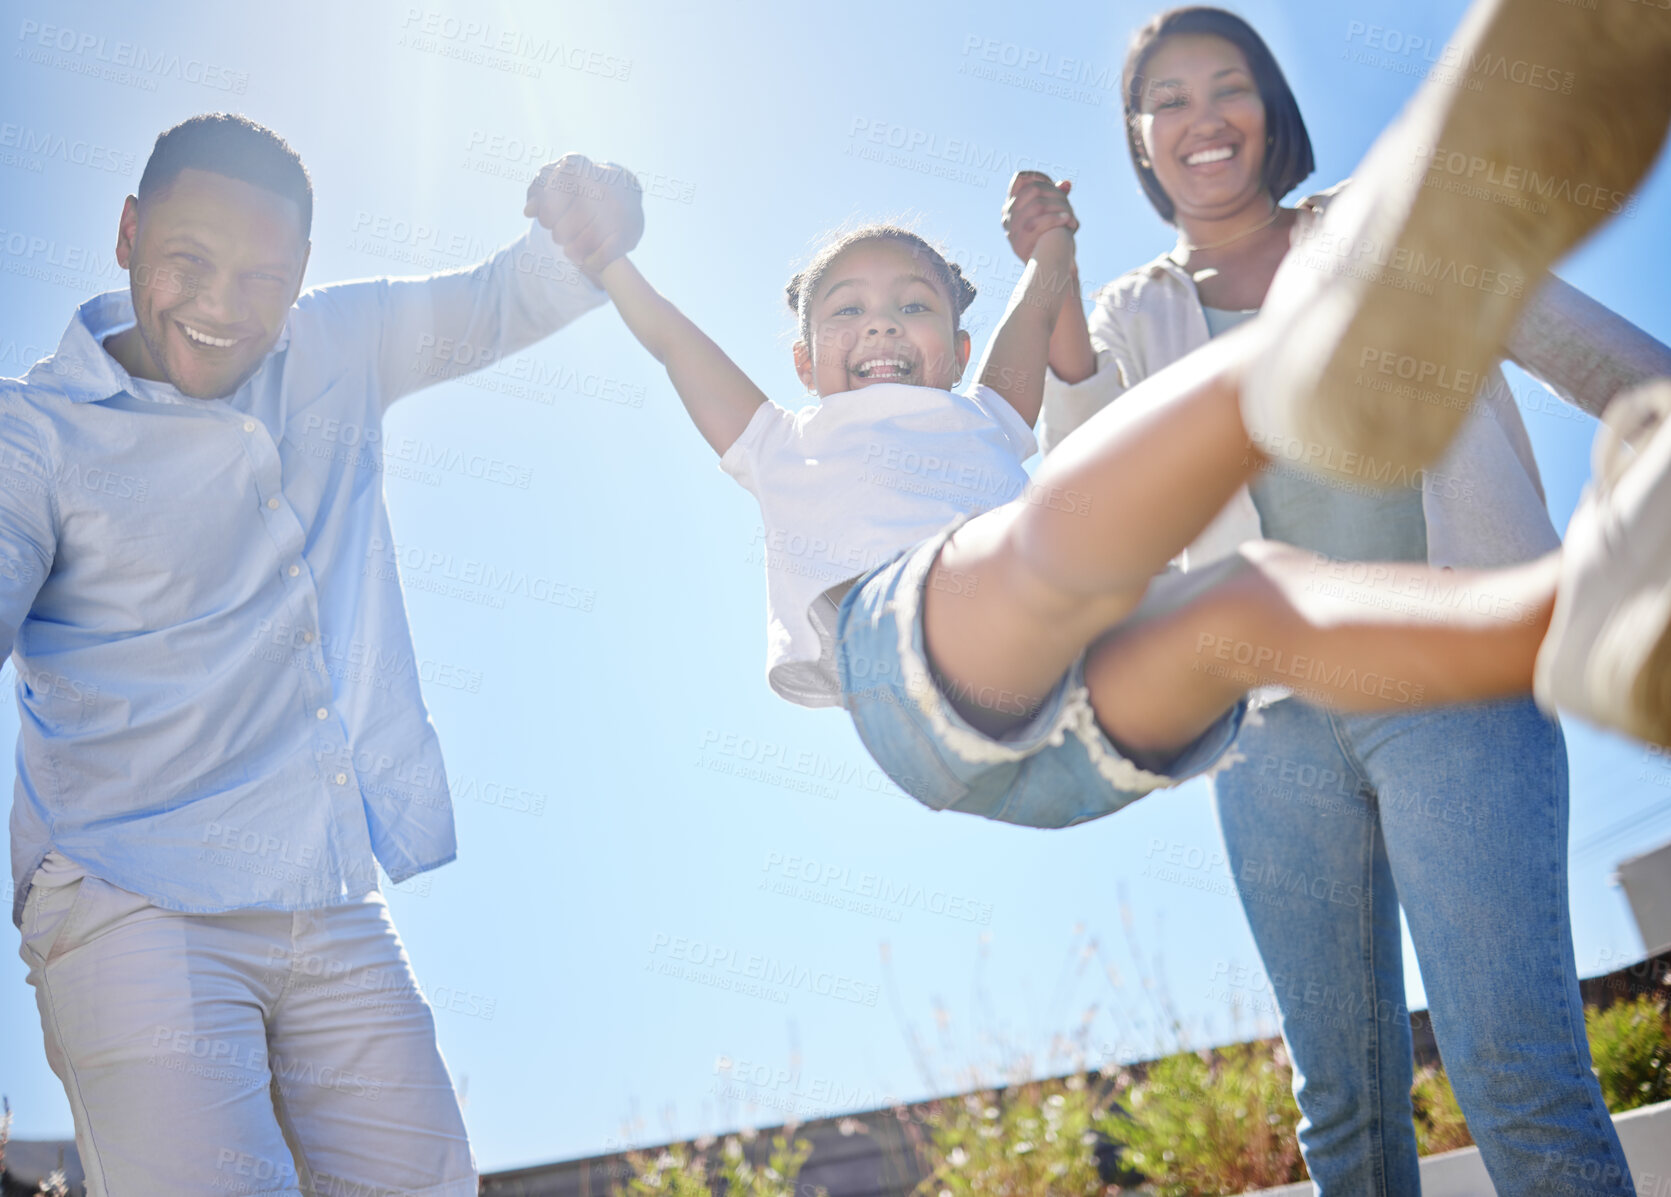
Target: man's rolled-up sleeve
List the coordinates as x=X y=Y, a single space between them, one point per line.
x=431 y=329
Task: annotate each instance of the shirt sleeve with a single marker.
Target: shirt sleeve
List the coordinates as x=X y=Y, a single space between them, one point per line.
x=1015 y=429
x=1581 y=350
x=768 y=428
x=28 y=539
x=422 y=331
x=1067 y=405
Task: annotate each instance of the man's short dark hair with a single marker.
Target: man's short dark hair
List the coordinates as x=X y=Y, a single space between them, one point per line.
x=235 y=146
x=1288 y=146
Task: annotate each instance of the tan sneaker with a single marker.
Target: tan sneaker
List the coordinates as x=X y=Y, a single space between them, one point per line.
x=1531 y=131
x=1607 y=655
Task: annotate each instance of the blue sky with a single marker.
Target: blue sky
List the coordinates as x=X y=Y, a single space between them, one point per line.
x=630 y=795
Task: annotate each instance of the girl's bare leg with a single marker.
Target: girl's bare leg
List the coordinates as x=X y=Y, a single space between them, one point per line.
x=1019 y=592
x=1349 y=636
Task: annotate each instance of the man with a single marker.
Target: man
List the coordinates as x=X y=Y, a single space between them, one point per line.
x=186 y=539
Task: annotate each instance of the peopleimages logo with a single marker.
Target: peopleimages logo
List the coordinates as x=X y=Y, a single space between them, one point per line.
x=120 y=61
x=85 y=260
x=1532 y=190
x=76 y=151
x=752 y=973
x=961 y=159
x=485 y=44
x=803 y=877
x=1453 y=62
x=339 y=439
x=790 y=1090
x=1035 y=69
x=469 y=578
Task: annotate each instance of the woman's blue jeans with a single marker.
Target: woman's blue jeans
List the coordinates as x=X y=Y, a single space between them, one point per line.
x=1460 y=814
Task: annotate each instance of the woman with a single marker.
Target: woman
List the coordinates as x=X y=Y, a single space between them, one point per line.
x=1459 y=814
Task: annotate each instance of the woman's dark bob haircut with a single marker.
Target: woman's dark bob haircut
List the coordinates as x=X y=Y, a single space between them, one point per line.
x=1287 y=146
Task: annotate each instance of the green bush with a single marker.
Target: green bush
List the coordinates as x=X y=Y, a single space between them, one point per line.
x=1629 y=1047
x=1439 y=1122
x=1195 y=1124
x=775 y=1178
x=1033 y=1140
x=674 y=1172
x=684 y=1172
x=1212 y=1122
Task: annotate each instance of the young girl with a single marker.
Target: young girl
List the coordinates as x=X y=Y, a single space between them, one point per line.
x=977 y=658
x=998 y=640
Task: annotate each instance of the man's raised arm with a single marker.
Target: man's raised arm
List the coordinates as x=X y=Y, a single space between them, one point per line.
x=430 y=329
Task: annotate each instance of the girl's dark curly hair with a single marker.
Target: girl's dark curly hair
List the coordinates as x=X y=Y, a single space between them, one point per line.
x=805 y=284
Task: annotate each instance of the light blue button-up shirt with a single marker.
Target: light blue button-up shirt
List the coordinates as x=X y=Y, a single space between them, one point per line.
x=217 y=692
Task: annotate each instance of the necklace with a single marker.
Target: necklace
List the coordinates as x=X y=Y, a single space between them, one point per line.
x=1187 y=247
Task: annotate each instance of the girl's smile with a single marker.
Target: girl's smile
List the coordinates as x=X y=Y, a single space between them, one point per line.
x=879 y=317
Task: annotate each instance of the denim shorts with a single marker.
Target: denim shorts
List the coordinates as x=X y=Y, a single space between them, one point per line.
x=1057 y=769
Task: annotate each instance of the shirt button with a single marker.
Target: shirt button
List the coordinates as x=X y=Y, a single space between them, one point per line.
x=321 y=712
x=249 y=425
x=307 y=637
x=294 y=570
x=272 y=504
x=342 y=779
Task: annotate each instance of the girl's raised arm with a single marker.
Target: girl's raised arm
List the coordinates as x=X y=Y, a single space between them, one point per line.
x=720 y=398
x=1015 y=358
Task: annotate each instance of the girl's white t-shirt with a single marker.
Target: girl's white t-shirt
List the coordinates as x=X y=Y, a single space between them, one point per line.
x=846 y=484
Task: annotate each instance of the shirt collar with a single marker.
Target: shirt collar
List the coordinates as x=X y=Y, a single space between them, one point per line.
x=82 y=371
x=1166 y=264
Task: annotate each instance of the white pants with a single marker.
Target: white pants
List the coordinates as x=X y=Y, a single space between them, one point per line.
x=252 y=1052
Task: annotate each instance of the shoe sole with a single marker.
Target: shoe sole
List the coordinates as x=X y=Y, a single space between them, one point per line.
x=1629 y=688
x=1650 y=697
x=1607 y=655
x=1425 y=261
